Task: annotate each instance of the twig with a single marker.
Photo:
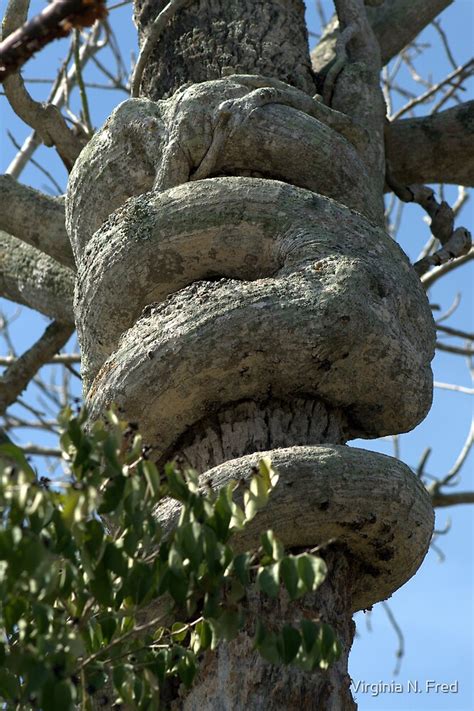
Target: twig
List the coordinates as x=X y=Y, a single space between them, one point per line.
x=46 y=119
x=429 y=279
x=41 y=451
x=466 y=69
x=59 y=359
x=401 y=640
x=19 y=374
x=80 y=82
x=54 y=22
x=38 y=165
x=455 y=332
x=456 y=350
x=455 y=388
x=57 y=97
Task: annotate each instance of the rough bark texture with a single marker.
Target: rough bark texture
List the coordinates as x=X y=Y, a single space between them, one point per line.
x=256 y=684
x=214 y=38
x=230 y=313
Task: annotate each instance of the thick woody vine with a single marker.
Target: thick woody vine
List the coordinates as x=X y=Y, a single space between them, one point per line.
x=258 y=294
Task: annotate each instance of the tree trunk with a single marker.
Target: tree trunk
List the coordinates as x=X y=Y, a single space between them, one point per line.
x=246 y=299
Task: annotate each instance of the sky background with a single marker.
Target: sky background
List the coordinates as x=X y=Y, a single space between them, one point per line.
x=435 y=609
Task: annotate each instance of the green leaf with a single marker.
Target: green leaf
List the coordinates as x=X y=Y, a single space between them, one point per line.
x=94 y=535
x=241 y=566
x=152 y=477
x=309 y=632
x=266 y=643
x=179 y=630
x=312 y=571
x=108 y=625
x=177 y=486
x=271 y=545
x=289 y=643
x=11 y=452
x=113 y=494
x=178 y=588
x=114 y=559
x=9 y=685
x=204 y=631
x=268 y=579
x=187 y=669
x=101 y=586
x=229 y=623
x=289 y=575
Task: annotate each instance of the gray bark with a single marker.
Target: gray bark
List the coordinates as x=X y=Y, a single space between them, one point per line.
x=433 y=149
x=230 y=313
x=214 y=38
x=395 y=24
x=31 y=278
x=35 y=218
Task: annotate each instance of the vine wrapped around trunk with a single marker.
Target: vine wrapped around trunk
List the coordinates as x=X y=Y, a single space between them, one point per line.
x=237 y=293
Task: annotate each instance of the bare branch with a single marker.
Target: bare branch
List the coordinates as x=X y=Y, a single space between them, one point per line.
x=395 y=24
x=41 y=451
x=58 y=97
x=454 y=242
x=455 y=388
x=429 y=279
x=433 y=149
x=400 y=653
x=60 y=359
x=54 y=22
x=45 y=119
x=34 y=218
x=36 y=280
x=454 y=349
x=19 y=374
x=461 y=73
x=455 y=332
x=462 y=497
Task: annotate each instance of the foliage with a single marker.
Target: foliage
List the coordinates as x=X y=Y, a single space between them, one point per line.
x=93 y=591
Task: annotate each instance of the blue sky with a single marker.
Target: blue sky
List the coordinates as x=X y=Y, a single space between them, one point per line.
x=435 y=609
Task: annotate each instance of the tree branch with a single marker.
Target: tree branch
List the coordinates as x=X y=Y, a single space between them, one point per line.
x=55 y=21
x=395 y=24
x=46 y=119
x=429 y=279
x=433 y=149
x=34 y=218
x=456 y=350
x=440 y=500
x=31 y=278
x=19 y=374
